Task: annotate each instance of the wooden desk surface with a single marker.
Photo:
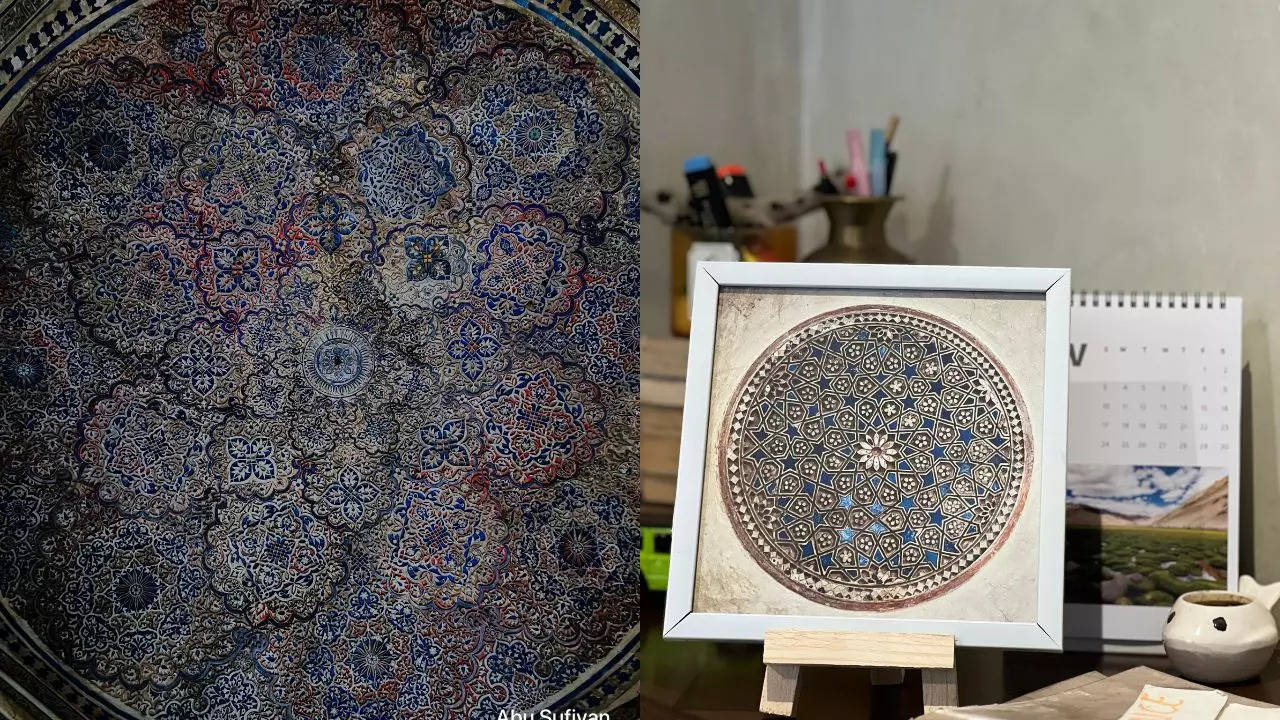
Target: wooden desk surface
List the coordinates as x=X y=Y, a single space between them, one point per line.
x=721 y=681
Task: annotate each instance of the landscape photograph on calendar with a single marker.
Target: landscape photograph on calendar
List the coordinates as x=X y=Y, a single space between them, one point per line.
x=1145 y=534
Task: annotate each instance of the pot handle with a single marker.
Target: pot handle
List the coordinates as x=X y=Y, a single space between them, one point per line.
x=1266 y=594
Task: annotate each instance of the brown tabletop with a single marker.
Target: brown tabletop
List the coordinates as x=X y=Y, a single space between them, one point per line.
x=683 y=680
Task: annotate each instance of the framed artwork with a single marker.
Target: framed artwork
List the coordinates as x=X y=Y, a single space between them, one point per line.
x=876 y=448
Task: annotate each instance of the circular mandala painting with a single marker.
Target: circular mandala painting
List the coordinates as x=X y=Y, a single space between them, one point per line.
x=318 y=363
x=874 y=457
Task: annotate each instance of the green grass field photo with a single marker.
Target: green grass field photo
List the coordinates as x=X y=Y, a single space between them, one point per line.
x=1143 y=535
x=1143 y=566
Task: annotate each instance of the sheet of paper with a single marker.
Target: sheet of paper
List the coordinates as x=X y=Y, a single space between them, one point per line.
x=1161 y=703
x=1089 y=697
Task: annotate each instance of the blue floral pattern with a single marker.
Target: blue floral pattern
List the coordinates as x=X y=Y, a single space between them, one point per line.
x=472 y=348
x=320 y=380
x=330 y=223
x=237 y=269
x=535 y=132
x=428 y=257
x=445 y=444
x=404 y=171
x=251 y=459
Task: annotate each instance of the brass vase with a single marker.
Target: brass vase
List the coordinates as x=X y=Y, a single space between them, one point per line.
x=857 y=231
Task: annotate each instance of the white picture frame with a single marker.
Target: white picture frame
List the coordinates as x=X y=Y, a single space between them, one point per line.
x=1053 y=285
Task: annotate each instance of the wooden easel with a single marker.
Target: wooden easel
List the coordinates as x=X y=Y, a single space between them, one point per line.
x=886 y=654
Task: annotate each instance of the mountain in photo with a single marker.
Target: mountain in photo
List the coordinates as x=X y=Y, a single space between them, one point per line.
x=1207 y=510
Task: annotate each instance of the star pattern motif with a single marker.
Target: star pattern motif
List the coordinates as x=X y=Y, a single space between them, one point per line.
x=874 y=457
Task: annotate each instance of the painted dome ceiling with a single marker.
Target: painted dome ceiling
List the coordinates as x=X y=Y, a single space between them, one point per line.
x=319 y=357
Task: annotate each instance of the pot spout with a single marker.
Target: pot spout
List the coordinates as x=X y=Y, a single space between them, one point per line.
x=1265 y=594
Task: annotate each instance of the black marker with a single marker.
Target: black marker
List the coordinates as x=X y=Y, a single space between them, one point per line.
x=706 y=195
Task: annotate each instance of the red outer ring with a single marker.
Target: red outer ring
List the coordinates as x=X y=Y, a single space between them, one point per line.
x=963 y=575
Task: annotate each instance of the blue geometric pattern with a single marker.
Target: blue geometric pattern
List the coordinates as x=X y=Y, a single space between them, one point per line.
x=874 y=457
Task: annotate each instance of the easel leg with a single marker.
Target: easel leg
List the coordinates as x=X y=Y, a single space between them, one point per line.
x=779 y=694
x=940 y=688
x=887 y=676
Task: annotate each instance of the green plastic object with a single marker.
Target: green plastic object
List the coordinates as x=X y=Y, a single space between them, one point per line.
x=655 y=556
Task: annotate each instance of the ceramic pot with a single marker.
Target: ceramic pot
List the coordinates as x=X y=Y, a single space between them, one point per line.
x=1216 y=636
x=856 y=231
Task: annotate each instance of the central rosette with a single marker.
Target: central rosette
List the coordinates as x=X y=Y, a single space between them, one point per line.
x=337 y=362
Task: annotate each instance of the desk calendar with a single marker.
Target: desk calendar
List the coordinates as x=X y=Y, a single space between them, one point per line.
x=1153 y=458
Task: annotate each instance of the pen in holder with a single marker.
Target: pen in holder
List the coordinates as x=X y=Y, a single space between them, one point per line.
x=857 y=234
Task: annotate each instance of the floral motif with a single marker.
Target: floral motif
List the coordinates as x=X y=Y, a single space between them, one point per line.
x=371 y=661
x=587 y=126
x=200 y=366
x=578 y=548
x=404 y=171
x=22 y=368
x=241 y=170
x=273 y=563
x=107 y=149
x=533 y=79
x=237 y=269
x=347 y=496
x=136 y=589
x=338 y=362
x=330 y=224
x=187 y=46
x=541 y=429
x=472 y=348
x=445 y=445
x=251 y=460
x=526 y=272
x=537 y=186
x=143 y=453
x=320 y=59
x=876 y=452
x=428 y=257
x=448 y=550
x=484 y=137
x=497 y=173
x=535 y=132
x=238 y=274
x=139 y=289
x=495 y=99
x=573 y=166
x=433 y=261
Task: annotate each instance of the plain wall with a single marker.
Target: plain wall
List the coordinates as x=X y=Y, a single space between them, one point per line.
x=720 y=78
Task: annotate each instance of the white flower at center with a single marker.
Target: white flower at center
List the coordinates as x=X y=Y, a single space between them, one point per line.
x=877 y=451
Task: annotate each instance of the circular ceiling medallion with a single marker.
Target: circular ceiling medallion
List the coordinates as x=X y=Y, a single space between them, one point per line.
x=338 y=362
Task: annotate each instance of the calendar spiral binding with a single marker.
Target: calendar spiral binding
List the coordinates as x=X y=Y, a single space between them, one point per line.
x=1100 y=298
